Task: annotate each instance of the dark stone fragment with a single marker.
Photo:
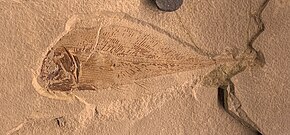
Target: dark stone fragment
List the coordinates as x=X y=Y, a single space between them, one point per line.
x=168 y=5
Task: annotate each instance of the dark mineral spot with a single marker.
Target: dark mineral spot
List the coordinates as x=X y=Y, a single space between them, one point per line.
x=168 y=5
x=60 y=121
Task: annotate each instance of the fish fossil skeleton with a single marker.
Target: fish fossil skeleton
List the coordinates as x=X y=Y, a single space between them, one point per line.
x=98 y=57
x=113 y=49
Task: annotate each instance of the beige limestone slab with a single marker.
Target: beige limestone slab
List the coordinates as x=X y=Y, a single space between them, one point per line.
x=170 y=104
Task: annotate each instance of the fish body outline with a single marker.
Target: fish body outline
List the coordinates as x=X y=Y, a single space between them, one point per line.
x=110 y=49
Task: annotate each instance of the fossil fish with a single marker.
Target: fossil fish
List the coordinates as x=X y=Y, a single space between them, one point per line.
x=115 y=51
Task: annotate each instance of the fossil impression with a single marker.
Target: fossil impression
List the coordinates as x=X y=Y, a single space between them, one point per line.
x=114 y=52
x=112 y=49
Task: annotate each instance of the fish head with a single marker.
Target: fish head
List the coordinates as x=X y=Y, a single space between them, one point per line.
x=58 y=70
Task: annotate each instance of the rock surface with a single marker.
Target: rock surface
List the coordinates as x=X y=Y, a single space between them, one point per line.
x=175 y=103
